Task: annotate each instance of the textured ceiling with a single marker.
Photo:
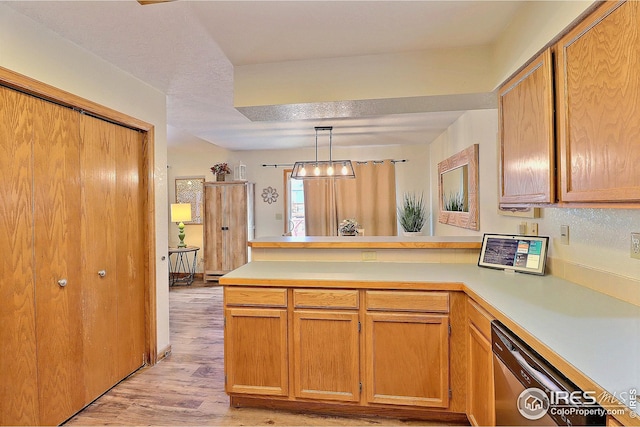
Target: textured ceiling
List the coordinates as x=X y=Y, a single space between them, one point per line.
x=188 y=50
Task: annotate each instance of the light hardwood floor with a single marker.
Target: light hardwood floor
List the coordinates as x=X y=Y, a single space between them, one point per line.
x=187 y=388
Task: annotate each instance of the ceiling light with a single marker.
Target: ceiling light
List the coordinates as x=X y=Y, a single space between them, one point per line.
x=323 y=168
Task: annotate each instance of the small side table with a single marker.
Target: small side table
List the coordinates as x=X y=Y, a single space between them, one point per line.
x=181 y=269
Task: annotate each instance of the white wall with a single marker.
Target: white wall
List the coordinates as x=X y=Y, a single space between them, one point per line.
x=31 y=50
x=410 y=176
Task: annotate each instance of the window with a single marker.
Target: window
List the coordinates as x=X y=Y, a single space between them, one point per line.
x=293 y=206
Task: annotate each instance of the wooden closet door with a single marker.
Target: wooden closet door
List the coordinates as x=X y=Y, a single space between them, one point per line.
x=130 y=246
x=98 y=247
x=18 y=387
x=57 y=256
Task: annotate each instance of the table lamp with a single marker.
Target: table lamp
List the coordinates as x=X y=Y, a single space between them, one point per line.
x=181 y=212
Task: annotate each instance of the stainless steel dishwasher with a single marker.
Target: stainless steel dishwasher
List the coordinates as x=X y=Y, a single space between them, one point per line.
x=529 y=391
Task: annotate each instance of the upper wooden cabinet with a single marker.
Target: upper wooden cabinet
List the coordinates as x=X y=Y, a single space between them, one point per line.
x=598 y=99
x=525 y=112
x=593 y=155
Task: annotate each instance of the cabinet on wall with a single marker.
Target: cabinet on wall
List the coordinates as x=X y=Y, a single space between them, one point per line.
x=598 y=98
x=480 y=390
x=228 y=226
x=527 y=143
x=592 y=158
x=68 y=184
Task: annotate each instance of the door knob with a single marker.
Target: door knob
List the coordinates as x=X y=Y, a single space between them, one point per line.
x=102 y=273
x=62 y=283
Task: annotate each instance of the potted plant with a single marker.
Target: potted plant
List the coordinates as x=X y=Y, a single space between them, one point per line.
x=348 y=227
x=412 y=214
x=220 y=170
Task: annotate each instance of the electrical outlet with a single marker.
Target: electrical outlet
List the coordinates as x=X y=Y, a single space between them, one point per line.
x=533 y=229
x=522 y=228
x=564 y=234
x=635 y=245
x=369 y=255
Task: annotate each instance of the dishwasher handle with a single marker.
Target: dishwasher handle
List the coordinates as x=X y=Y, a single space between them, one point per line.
x=532 y=371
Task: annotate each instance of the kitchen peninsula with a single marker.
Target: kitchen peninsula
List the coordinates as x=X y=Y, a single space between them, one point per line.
x=396 y=338
x=364 y=248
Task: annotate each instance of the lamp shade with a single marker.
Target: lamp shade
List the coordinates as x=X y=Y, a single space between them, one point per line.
x=180 y=212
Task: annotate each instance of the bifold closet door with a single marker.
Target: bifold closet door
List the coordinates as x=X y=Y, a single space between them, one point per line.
x=130 y=244
x=98 y=254
x=56 y=183
x=112 y=252
x=18 y=387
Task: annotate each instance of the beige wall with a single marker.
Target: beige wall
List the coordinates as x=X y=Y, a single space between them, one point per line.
x=189 y=156
x=598 y=252
x=410 y=176
x=537 y=24
x=474 y=69
x=422 y=73
x=29 y=49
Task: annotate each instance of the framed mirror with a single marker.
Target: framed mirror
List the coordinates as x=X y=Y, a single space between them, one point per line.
x=458 y=189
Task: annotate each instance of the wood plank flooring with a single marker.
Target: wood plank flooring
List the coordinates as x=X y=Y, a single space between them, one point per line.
x=187 y=387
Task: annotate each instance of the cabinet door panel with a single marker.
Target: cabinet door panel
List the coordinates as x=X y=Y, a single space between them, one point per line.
x=236 y=235
x=129 y=250
x=407 y=359
x=18 y=387
x=598 y=98
x=480 y=398
x=256 y=351
x=213 y=233
x=57 y=255
x=99 y=295
x=526 y=132
x=326 y=355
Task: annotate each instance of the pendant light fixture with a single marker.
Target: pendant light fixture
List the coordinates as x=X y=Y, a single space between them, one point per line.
x=319 y=169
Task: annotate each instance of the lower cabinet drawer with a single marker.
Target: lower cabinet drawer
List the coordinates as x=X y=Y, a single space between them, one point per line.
x=325 y=298
x=255 y=297
x=413 y=301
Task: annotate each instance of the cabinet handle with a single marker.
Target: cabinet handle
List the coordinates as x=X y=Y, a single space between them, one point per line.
x=102 y=273
x=62 y=283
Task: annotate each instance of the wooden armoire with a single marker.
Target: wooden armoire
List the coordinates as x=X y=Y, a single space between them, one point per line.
x=228 y=226
x=75 y=281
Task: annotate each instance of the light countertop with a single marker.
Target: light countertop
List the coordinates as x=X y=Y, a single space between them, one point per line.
x=594 y=335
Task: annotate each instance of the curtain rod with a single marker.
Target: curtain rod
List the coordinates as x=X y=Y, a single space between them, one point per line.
x=284 y=165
